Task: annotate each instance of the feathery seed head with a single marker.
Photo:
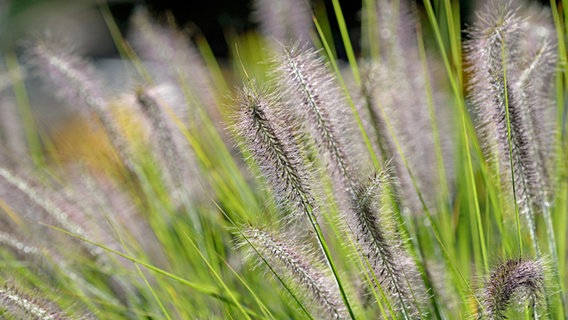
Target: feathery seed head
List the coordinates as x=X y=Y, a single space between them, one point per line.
x=15 y=186
x=509 y=89
x=411 y=126
x=271 y=137
x=294 y=262
x=407 y=137
x=179 y=164
x=380 y=244
x=513 y=280
x=396 y=35
x=171 y=56
x=311 y=90
x=22 y=306
x=74 y=79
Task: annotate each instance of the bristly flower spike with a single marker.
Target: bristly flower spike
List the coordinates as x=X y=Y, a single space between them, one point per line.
x=179 y=165
x=171 y=56
x=509 y=90
x=311 y=90
x=76 y=81
x=293 y=261
x=25 y=307
x=269 y=134
x=414 y=130
x=10 y=181
x=516 y=279
x=272 y=142
x=393 y=267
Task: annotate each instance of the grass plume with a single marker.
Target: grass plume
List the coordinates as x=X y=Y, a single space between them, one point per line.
x=292 y=260
x=511 y=281
x=514 y=114
x=380 y=244
x=23 y=306
x=270 y=138
x=309 y=87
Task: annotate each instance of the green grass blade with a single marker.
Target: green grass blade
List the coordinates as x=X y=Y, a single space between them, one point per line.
x=346 y=41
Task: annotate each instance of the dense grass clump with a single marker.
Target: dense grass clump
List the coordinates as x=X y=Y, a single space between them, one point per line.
x=282 y=184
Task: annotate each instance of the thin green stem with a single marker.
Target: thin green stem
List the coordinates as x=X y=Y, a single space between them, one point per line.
x=511 y=160
x=558 y=184
x=346 y=41
x=370 y=28
x=464 y=127
x=329 y=260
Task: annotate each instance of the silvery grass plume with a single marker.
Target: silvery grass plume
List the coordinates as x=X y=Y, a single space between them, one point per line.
x=28 y=198
x=288 y=259
x=380 y=244
x=511 y=81
x=76 y=81
x=164 y=132
x=284 y=20
x=40 y=203
x=44 y=263
x=173 y=151
x=395 y=28
x=381 y=90
x=513 y=281
x=374 y=122
x=312 y=92
x=22 y=306
x=413 y=129
x=360 y=94
x=537 y=61
x=170 y=57
x=267 y=131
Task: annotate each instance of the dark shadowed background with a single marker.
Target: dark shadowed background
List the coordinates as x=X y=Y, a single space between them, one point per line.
x=213 y=18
